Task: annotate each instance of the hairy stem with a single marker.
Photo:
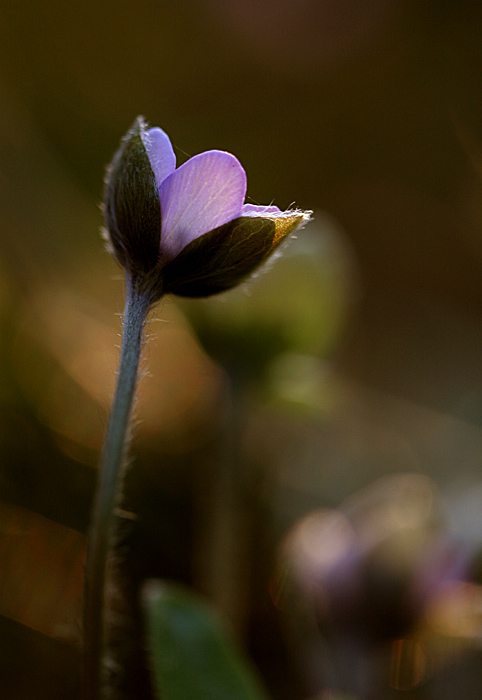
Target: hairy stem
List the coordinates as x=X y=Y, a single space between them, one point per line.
x=109 y=490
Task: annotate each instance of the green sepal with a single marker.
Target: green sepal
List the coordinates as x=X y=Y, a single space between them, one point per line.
x=191 y=656
x=220 y=259
x=132 y=209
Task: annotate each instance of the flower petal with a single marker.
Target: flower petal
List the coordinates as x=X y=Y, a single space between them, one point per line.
x=160 y=153
x=259 y=210
x=204 y=193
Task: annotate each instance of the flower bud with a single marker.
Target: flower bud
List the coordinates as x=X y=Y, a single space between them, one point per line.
x=186 y=231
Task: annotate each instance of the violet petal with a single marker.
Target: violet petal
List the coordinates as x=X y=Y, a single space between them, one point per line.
x=204 y=193
x=160 y=153
x=259 y=210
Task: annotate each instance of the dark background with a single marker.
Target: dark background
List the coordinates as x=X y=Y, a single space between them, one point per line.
x=368 y=113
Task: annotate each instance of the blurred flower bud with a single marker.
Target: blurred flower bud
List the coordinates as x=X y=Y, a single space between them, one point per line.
x=379 y=578
x=373 y=567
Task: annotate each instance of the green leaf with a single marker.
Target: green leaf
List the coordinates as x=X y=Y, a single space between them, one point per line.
x=132 y=210
x=192 y=657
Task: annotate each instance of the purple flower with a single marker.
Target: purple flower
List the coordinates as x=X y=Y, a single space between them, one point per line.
x=186 y=230
x=207 y=191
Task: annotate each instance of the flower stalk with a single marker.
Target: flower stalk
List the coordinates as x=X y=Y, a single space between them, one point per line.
x=182 y=231
x=102 y=533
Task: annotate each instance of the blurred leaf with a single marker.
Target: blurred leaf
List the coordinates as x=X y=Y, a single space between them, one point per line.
x=300 y=306
x=192 y=658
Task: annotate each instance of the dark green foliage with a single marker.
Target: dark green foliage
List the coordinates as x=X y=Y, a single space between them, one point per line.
x=192 y=658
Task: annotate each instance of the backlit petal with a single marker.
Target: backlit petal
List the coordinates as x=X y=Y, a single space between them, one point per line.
x=204 y=193
x=160 y=153
x=259 y=210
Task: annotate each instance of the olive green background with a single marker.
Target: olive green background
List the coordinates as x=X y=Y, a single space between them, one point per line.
x=368 y=113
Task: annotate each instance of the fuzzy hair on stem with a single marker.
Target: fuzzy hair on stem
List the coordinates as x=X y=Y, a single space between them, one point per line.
x=112 y=466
